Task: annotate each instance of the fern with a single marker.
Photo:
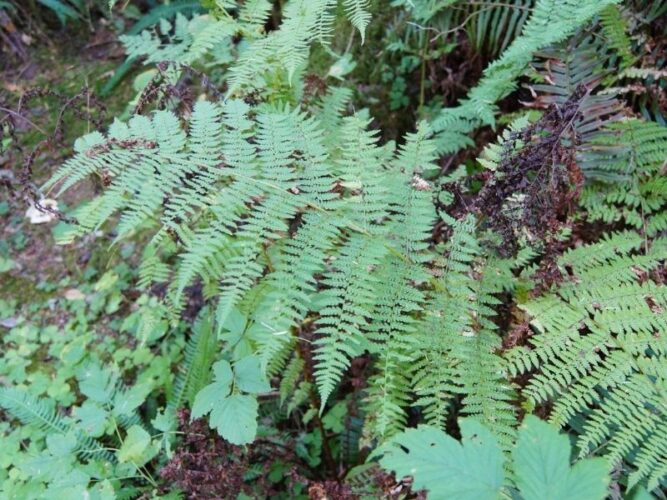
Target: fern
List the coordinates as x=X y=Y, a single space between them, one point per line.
x=245 y=193
x=490 y=26
x=299 y=222
x=290 y=377
x=633 y=151
x=194 y=374
x=389 y=393
x=550 y=22
x=346 y=304
x=615 y=29
x=285 y=49
x=357 y=12
x=483 y=373
x=583 y=63
x=38 y=412
x=597 y=346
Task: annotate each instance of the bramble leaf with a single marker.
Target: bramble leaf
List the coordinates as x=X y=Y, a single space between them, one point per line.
x=249 y=377
x=235 y=418
x=542 y=466
x=448 y=469
x=135 y=444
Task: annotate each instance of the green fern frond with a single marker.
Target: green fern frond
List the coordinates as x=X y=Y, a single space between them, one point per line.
x=357 y=12
x=615 y=29
x=435 y=380
x=195 y=370
x=551 y=22
x=393 y=330
x=634 y=151
x=598 y=346
x=31 y=410
x=490 y=26
x=290 y=377
x=346 y=303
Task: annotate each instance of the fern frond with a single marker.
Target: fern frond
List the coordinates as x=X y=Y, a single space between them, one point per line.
x=357 y=12
x=393 y=330
x=490 y=26
x=31 y=410
x=330 y=110
x=551 y=21
x=633 y=151
x=290 y=377
x=195 y=370
x=346 y=303
x=615 y=29
x=598 y=345
x=435 y=378
x=488 y=395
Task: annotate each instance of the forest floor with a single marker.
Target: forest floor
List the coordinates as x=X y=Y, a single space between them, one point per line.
x=45 y=284
x=33 y=267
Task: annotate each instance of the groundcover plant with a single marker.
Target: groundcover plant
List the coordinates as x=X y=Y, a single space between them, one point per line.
x=334 y=249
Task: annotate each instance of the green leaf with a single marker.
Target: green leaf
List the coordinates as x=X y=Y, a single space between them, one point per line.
x=223 y=372
x=107 y=281
x=62 y=10
x=334 y=420
x=235 y=418
x=164 y=421
x=60 y=445
x=235 y=321
x=342 y=67
x=46 y=467
x=249 y=377
x=70 y=485
x=6 y=264
x=127 y=401
x=212 y=394
x=207 y=398
x=448 y=469
x=92 y=418
x=97 y=383
x=542 y=466
x=135 y=444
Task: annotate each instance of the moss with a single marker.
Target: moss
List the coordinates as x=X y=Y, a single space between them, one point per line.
x=21 y=289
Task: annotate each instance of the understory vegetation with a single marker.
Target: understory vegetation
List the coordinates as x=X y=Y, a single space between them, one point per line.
x=333 y=249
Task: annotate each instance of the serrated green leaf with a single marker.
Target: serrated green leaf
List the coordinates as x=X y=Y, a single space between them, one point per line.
x=97 y=383
x=248 y=376
x=134 y=445
x=235 y=418
x=92 y=418
x=46 y=467
x=164 y=421
x=448 y=469
x=127 y=401
x=542 y=466
x=223 y=372
x=211 y=395
x=207 y=398
x=60 y=445
x=235 y=321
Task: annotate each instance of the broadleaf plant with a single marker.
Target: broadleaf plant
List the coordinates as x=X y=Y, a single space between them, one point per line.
x=327 y=238
x=540 y=464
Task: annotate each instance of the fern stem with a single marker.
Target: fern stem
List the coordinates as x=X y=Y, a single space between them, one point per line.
x=422 y=82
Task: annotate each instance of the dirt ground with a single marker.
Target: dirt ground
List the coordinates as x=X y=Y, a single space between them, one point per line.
x=35 y=89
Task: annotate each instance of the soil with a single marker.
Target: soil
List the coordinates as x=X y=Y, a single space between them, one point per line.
x=29 y=83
